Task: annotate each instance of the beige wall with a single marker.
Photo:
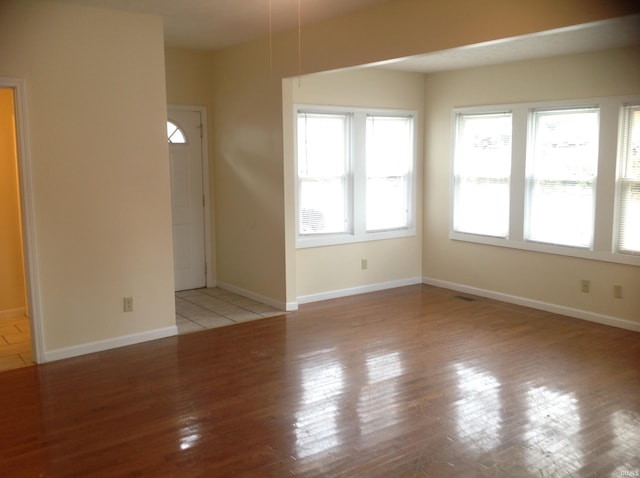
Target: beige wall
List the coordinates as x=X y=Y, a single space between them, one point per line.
x=95 y=90
x=547 y=278
x=254 y=218
x=321 y=270
x=188 y=75
x=246 y=148
x=255 y=247
x=12 y=293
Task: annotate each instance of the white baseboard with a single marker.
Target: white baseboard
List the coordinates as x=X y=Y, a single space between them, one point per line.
x=536 y=304
x=287 y=306
x=10 y=313
x=292 y=306
x=101 y=345
x=334 y=294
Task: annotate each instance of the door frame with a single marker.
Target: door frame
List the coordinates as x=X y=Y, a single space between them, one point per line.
x=25 y=189
x=210 y=280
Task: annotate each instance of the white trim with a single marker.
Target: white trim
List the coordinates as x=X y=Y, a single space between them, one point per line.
x=536 y=304
x=334 y=294
x=10 y=313
x=102 y=345
x=286 y=306
x=208 y=256
x=28 y=217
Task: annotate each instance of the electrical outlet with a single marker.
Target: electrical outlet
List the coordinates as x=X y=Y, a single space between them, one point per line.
x=585 y=286
x=364 y=264
x=128 y=304
x=617 y=291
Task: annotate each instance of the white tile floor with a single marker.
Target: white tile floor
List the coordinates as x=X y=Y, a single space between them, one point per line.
x=202 y=309
x=15 y=343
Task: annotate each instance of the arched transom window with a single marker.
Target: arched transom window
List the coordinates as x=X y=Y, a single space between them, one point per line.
x=175 y=135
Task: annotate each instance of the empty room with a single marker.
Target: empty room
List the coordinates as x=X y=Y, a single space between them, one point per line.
x=374 y=238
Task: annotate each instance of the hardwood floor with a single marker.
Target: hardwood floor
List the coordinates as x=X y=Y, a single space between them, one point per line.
x=400 y=383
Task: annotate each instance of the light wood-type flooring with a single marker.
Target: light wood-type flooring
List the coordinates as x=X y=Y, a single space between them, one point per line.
x=399 y=383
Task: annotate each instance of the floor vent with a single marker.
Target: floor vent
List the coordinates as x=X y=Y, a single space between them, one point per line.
x=462 y=297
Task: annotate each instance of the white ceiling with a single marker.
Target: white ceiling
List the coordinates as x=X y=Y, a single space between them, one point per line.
x=215 y=24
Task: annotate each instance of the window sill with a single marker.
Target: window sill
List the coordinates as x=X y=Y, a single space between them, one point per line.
x=305 y=242
x=596 y=255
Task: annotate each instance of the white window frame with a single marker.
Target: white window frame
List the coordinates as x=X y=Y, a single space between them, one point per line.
x=357 y=172
x=623 y=156
x=456 y=179
x=604 y=240
x=531 y=178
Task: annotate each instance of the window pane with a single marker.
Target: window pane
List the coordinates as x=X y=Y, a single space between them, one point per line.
x=175 y=134
x=322 y=145
x=482 y=166
x=628 y=234
x=482 y=206
x=387 y=206
x=389 y=163
x=323 y=165
x=561 y=174
x=323 y=206
x=561 y=212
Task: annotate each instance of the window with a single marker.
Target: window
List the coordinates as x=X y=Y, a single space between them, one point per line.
x=389 y=164
x=175 y=134
x=482 y=165
x=324 y=183
x=558 y=177
x=561 y=172
x=355 y=175
x=628 y=187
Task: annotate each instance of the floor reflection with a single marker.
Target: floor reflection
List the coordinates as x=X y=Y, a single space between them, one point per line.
x=382 y=366
x=626 y=442
x=316 y=420
x=553 y=432
x=485 y=415
x=323 y=413
x=479 y=421
x=189 y=437
x=378 y=402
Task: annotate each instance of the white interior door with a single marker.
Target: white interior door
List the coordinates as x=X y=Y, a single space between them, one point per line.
x=187 y=198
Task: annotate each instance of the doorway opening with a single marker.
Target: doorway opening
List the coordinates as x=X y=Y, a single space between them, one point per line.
x=186 y=127
x=15 y=331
